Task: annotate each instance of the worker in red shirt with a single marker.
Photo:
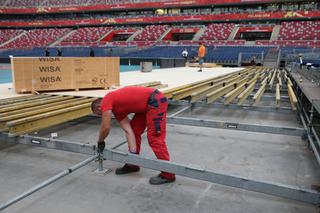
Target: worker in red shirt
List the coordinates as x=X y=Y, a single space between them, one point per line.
x=150 y=108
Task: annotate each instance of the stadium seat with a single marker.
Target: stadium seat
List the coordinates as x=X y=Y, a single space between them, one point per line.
x=151 y=33
x=86 y=36
x=219 y=31
x=6 y=35
x=302 y=30
x=36 y=38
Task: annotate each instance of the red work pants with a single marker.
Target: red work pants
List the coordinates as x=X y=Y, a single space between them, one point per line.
x=155 y=121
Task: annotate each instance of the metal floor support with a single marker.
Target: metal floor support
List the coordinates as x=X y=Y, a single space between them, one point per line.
x=195 y=172
x=187 y=113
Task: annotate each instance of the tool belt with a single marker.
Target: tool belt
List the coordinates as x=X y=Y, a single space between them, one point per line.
x=152 y=101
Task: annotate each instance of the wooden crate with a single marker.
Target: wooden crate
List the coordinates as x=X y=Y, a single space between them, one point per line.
x=64 y=73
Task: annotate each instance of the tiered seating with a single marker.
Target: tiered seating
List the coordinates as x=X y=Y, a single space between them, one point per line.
x=85 y=36
x=217 y=31
x=60 y=3
x=122 y=1
x=6 y=35
x=218 y=54
x=302 y=30
x=291 y=43
x=24 y=3
x=214 y=42
x=151 y=33
x=131 y=43
x=36 y=38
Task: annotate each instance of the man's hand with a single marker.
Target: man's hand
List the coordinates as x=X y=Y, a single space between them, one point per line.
x=101 y=145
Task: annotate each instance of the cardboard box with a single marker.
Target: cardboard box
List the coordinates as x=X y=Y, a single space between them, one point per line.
x=64 y=73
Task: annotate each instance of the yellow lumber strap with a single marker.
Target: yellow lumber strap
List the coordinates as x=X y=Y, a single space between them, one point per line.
x=258 y=95
x=293 y=98
x=243 y=96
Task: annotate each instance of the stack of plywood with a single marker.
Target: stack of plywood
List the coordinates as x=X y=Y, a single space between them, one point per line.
x=67 y=73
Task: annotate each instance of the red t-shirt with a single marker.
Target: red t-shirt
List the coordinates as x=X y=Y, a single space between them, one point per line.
x=126 y=100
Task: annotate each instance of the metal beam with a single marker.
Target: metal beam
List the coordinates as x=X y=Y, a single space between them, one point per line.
x=233 y=106
x=50 y=143
x=236 y=126
x=180 y=111
x=200 y=173
x=195 y=172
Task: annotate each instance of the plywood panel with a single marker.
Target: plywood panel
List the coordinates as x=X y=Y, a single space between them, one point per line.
x=22 y=77
x=52 y=74
x=64 y=73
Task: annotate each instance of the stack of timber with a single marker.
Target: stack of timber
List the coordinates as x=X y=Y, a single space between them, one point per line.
x=237 y=87
x=26 y=114
x=34 y=112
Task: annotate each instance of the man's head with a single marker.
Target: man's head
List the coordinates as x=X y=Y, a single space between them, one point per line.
x=96 y=106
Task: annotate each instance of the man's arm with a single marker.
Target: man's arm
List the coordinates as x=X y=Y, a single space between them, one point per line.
x=105 y=126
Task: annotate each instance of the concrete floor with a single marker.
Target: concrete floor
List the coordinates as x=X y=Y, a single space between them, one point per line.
x=265 y=157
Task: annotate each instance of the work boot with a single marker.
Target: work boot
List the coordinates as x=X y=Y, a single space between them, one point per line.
x=159 y=179
x=127 y=168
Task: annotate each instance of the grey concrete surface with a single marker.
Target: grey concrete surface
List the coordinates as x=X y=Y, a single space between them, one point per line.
x=276 y=158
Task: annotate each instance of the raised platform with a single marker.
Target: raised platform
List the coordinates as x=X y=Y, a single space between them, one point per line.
x=173 y=77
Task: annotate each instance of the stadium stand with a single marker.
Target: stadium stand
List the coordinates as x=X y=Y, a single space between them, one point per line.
x=226 y=29
x=23 y=3
x=50 y=3
x=302 y=30
x=217 y=54
x=6 y=35
x=63 y=3
x=219 y=31
x=291 y=43
x=152 y=33
x=36 y=38
x=214 y=42
x=85 y=36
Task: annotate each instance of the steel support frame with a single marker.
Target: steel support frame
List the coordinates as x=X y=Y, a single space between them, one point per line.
x=311 y=134
x=195 y=172
x=236 y=126
x=218 y=105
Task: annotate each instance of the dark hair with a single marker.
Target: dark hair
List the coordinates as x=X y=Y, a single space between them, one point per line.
x=96 y=103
